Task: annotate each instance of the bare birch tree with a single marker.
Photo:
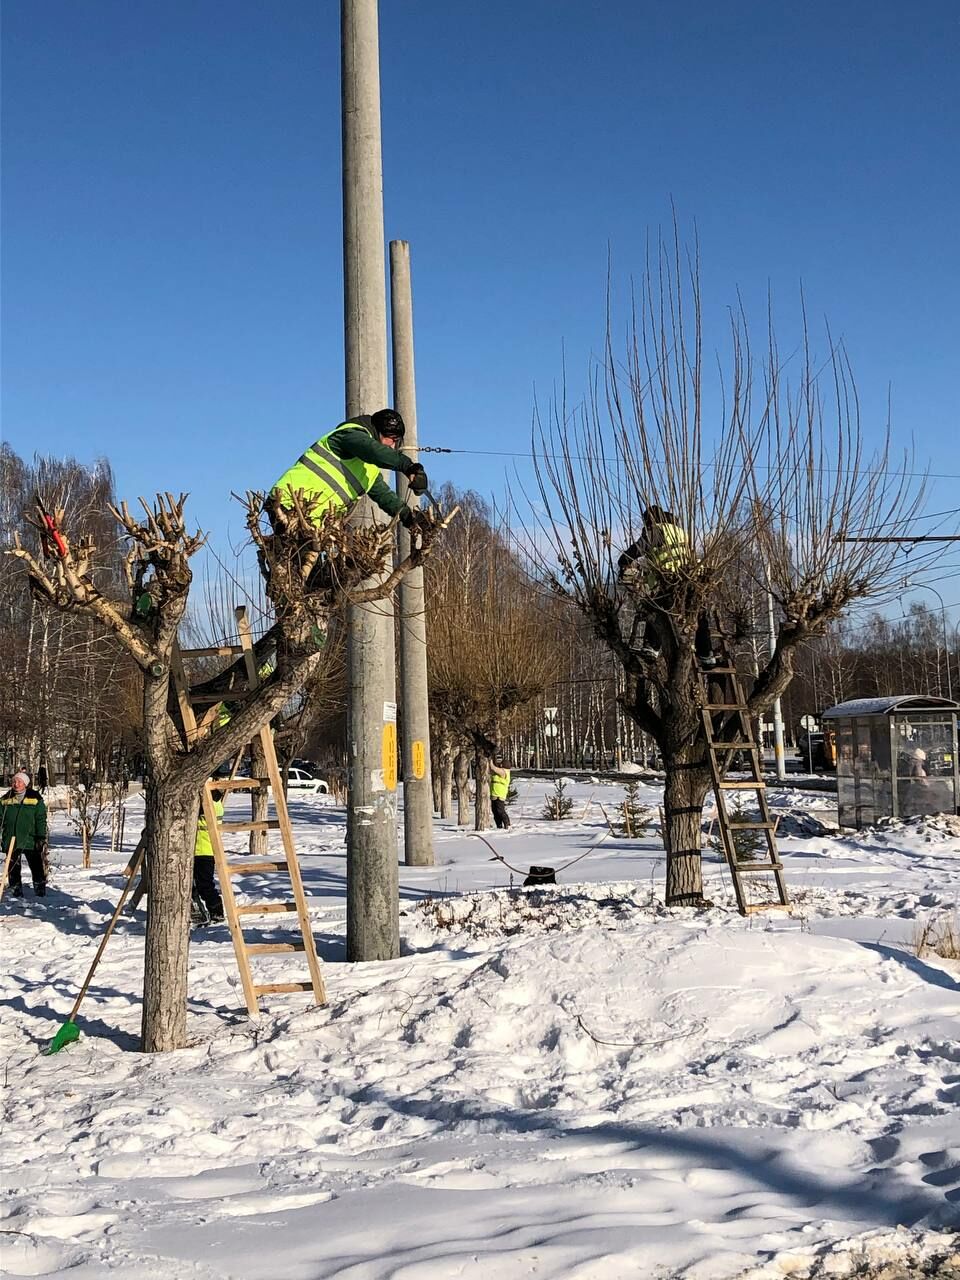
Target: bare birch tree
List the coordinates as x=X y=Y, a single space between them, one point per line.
x=758 y=471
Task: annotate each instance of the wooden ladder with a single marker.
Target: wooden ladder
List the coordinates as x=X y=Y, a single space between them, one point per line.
x=728 y=714
x=228 y=869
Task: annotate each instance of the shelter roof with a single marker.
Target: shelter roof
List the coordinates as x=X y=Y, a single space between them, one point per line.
x=899 y=704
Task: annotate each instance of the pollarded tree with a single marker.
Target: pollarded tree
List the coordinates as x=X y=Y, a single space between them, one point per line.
x=312 y=571
x=781 y=480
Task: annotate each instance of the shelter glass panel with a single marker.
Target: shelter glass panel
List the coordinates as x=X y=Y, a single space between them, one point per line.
x=881 y=766
x=863 y=773
x=846 y=794
x=925 y=773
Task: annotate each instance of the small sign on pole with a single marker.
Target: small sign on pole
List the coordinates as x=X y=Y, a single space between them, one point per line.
x=390 y=756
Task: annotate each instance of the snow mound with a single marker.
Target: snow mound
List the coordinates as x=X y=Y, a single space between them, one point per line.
x=940 y=826
x=504 y=913
x=629 y=766
x=866 y=904
x=880 y=1255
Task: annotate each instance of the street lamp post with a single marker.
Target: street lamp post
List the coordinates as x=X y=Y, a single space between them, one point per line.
x=943 y=618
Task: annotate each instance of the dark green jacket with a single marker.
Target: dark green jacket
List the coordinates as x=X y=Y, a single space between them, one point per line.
x=25 y=818
x=354 y=441
x=357 y=442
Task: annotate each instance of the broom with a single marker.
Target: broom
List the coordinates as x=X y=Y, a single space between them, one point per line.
x=6 y=863
x=70 y=1032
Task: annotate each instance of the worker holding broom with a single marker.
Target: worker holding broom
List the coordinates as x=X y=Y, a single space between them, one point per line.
x=25 y=828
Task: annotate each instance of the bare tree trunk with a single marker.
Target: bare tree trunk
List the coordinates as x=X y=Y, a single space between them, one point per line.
x=446 y=786
x=258 y=799
x=435 y=782
x=482 y=811
x=461 y=771
x=171 y=814
x=686 y=787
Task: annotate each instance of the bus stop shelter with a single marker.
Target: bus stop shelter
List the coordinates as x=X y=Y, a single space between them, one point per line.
x=896 y=757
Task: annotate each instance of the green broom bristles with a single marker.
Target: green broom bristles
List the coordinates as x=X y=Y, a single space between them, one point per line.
x=68 y=1034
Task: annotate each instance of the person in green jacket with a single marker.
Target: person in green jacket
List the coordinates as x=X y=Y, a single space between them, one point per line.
x=207 y=903
x=499 y=790
x=25 y=822
x=346 y=463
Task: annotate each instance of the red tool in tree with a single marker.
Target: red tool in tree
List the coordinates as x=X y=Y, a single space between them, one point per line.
x=50 y=535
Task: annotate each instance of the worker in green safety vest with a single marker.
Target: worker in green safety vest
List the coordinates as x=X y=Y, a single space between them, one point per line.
x=654 y=563
x=499 y=790
x=346 y=463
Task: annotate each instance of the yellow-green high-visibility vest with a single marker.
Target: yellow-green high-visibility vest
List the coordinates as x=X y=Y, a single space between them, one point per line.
x=332 y=481
x=203 y=847
x=671 y=552
x=500 y=785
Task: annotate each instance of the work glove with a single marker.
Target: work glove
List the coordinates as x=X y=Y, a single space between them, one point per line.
x=417 y=478
x=414 y=519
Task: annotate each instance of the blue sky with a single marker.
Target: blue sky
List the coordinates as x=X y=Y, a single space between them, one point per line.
x=172 y=292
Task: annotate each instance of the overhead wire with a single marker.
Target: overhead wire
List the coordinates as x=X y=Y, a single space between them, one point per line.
x=576 y=457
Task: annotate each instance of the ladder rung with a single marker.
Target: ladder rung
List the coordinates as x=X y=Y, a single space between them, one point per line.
x=238 y=784
x=751 y=826
x=758 y=785
x=724 y=706
x=267 y=987
x=272 y=948
x=707 y=672
x=759 y=866
x=242 y=868
x=732 y=746
x=272 y=824
x=265 y=908
x=765 y=906
x=214 y=651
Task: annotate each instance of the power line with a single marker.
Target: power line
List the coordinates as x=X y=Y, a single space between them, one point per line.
x=925 y=537
x=578 y=457
x=933 y=515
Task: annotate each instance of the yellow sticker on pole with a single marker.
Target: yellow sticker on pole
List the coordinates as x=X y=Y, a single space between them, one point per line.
x=390 y=756
x=419 y=760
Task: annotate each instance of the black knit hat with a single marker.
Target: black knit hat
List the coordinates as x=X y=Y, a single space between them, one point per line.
x=387 y=422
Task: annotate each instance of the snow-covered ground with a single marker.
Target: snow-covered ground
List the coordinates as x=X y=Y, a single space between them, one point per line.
x=561 y=1082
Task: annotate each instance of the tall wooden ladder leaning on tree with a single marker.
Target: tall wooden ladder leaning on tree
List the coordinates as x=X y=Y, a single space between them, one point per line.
x=728 y=730
x=196 y=721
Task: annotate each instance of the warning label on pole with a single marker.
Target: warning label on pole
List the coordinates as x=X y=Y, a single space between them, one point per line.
x=390 y=756
x=418 y=759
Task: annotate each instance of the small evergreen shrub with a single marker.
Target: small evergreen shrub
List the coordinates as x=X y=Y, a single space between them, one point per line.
x=559 y=805
x=633 y=817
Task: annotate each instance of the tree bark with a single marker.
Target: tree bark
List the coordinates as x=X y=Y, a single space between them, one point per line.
x=687 y=783
x=171 y=826
x=482 y=811
x=258 y=799
x=446 y=781
x=461 y=771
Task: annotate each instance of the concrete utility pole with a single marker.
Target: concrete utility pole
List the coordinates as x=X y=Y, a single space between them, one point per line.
x=373 y=898
x=417 y=787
